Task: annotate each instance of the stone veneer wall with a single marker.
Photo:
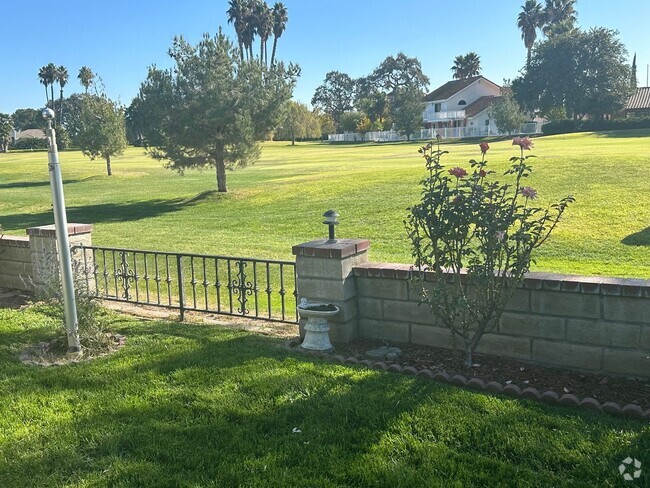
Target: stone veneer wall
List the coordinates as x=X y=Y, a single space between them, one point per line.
x=591 y=324
x=15 y=262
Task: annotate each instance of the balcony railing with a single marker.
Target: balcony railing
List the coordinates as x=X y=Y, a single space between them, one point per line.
x=431 y=116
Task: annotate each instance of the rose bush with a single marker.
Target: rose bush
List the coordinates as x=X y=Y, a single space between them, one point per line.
x=473 y=238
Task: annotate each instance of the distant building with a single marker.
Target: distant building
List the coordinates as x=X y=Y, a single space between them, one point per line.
x=463 y=103
x=29 y=133
x=639 y=104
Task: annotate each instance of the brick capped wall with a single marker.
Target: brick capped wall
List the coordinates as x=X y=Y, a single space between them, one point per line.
x=592 y=324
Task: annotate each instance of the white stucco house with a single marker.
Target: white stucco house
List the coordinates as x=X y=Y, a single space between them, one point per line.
x=462 y=106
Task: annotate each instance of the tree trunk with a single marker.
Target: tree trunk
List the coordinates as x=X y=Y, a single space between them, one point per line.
x=275 y=43
x=109 y=170
x=61 y=108
x=528 y=59
x=221 y=170
x=293 y=139
x=47 y=97
x=468 y=354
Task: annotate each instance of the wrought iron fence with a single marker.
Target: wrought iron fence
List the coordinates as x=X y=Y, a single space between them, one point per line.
x=253 y=288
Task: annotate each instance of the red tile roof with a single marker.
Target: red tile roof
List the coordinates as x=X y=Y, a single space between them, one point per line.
x=640 y=100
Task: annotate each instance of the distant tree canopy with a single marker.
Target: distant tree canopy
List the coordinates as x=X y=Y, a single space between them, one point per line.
x=298 y=123
x=584 y=72
x=28 y=118
x=369 y=95
x=336 y=95
x=213 y=108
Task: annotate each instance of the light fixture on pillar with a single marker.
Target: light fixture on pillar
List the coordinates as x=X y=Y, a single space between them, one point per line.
x=331 y=220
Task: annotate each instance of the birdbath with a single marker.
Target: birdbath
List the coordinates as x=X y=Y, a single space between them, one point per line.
x=317 y=328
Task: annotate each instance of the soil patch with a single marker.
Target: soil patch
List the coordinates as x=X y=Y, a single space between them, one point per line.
x=506 y=371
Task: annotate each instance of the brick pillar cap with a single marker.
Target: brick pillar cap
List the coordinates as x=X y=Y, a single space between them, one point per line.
x=49 y=230
x=340 y=249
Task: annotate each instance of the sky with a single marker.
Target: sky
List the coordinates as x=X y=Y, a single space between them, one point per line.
x=120 y=39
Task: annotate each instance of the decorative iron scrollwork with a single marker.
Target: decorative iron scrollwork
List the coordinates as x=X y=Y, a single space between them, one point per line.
x=125 y=275
x=241 y=288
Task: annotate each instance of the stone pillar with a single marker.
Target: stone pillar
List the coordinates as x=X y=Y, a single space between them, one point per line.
x=44 y=255
x=324 y=275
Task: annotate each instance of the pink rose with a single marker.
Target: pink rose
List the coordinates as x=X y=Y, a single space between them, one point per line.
x=482 y=173
x=528 y=192
x=484 y=147
x=458 y=172
x=523 y=142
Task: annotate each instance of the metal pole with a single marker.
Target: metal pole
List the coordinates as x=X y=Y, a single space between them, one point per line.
x=63 y=243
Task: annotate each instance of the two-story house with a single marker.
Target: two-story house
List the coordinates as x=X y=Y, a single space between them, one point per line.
x=462 y=107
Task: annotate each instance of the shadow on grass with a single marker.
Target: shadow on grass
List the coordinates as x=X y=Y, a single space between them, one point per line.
x=31 y=184
x=623 y=134
x=186 y=404
x=108 y=212
x=641 y=238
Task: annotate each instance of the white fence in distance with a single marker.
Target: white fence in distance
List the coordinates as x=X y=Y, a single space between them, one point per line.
x=445 y=133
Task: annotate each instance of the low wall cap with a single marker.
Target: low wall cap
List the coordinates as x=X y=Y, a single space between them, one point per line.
x=50 y=231
x=342 y=248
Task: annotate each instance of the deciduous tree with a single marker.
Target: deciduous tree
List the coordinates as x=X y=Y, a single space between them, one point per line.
x=102 y=132
x=336 y=95
x=406 y=110
x=584 y=72
x=506 y=112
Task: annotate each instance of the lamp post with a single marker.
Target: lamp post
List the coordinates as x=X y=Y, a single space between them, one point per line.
x=330 y=221
x=61 y=229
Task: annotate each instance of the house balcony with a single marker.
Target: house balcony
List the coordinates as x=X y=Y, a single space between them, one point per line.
x=431 y=116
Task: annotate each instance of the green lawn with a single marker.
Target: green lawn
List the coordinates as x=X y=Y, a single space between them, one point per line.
x=279 y=201
x=190 y=405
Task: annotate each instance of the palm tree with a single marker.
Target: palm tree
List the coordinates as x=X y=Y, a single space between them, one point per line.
x=472 y=64
x=43 y=79
x=249 y=19
x=62 y=78
x=466 y=66
x=458 y=68
x=50 y=70
x=236 y=17
x=559 y=12
x=86 y=77
x=264 y=27
x=529 y=20
x=280 y=19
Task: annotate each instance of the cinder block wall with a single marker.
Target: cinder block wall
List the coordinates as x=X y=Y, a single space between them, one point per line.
x=599 y=325
x=15 y=262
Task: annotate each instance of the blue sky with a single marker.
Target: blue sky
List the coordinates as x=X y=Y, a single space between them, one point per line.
x=119 y=39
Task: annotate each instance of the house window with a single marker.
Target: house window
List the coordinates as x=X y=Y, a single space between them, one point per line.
x=487 y=122
x=462 y=102
x=437 y=107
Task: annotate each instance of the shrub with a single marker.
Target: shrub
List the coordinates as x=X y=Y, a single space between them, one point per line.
x=473 y=238
x=29 y=143
x=566 y=126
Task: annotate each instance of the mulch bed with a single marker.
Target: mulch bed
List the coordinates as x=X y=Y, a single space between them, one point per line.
x=505 y=371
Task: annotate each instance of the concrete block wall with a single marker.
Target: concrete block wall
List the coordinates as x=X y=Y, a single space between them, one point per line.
x=15 y=262
x=591 y=324
x=27 y=263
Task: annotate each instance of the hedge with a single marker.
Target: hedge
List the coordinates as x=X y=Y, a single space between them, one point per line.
x=569 y=125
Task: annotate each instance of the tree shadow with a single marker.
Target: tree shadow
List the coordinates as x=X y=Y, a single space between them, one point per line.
x=623 y=134
x=107 y=212
x=641 y=238
x=31 y=184
x=191 y=407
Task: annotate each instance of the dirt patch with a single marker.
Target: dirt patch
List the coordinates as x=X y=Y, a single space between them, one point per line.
x=54 y=353
x=505 y=371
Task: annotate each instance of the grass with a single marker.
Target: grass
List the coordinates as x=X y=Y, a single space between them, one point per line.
x=279 y=201
x=190 y=405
